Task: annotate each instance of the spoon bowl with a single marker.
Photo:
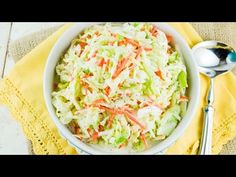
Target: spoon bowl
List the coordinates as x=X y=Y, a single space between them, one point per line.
x=213 y=58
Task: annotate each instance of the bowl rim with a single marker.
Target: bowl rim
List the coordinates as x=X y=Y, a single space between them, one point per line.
x=178 y=131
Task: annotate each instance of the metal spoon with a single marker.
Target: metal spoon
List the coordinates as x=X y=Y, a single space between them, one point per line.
x=213 y=58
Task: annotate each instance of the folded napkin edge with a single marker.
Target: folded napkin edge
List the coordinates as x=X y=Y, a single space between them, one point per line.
x=225 y=133
x=20 y=108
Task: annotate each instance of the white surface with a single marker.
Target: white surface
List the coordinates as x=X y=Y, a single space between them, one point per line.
x=4 y=39
x=12 y=139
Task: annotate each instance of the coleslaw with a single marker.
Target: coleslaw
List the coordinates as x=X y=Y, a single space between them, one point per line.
x=121 y=85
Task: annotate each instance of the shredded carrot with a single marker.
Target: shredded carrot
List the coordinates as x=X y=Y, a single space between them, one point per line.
x=169 y=50
x=89 y=131
x=132 y=42
x=152 y=103
x=153 y=31
x=122 y=42
x=95 y=136
x=120 y=85
x=131 y=70
x=131 y=65
x=127 y=113
x=86 y=88
x=120 y=67
x=147 y=49
x=107 y=90
x=107 y=65
x=101 y=100
x=144 y=140
x=97 y=33
x=128 y=106
x=118 y=111
x=83 y=44
x=100 y=128
x=129 y=109
x=139 y=51
x=169 y=38
x=88 y=75
x=110 y=120
x=89 y=36
x=102 y=62
x=116 y=73
x=110 y=110
x=159 y=74
x=183 y=98
x=145 y=105
x=131 y=117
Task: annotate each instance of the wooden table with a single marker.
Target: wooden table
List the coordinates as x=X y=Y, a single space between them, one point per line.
x=12 y=139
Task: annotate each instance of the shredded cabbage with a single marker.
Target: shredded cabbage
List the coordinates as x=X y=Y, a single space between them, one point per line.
x=121 y=85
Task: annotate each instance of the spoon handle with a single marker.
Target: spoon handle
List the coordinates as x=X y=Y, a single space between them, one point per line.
x=206 y=140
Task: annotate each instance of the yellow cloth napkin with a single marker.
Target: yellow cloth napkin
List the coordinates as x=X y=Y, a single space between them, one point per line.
x=21 y=90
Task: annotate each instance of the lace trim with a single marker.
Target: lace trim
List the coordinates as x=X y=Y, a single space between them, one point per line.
x=44 y=142
x=225 y=132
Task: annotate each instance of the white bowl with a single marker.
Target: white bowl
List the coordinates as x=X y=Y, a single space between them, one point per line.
x=193 y=90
